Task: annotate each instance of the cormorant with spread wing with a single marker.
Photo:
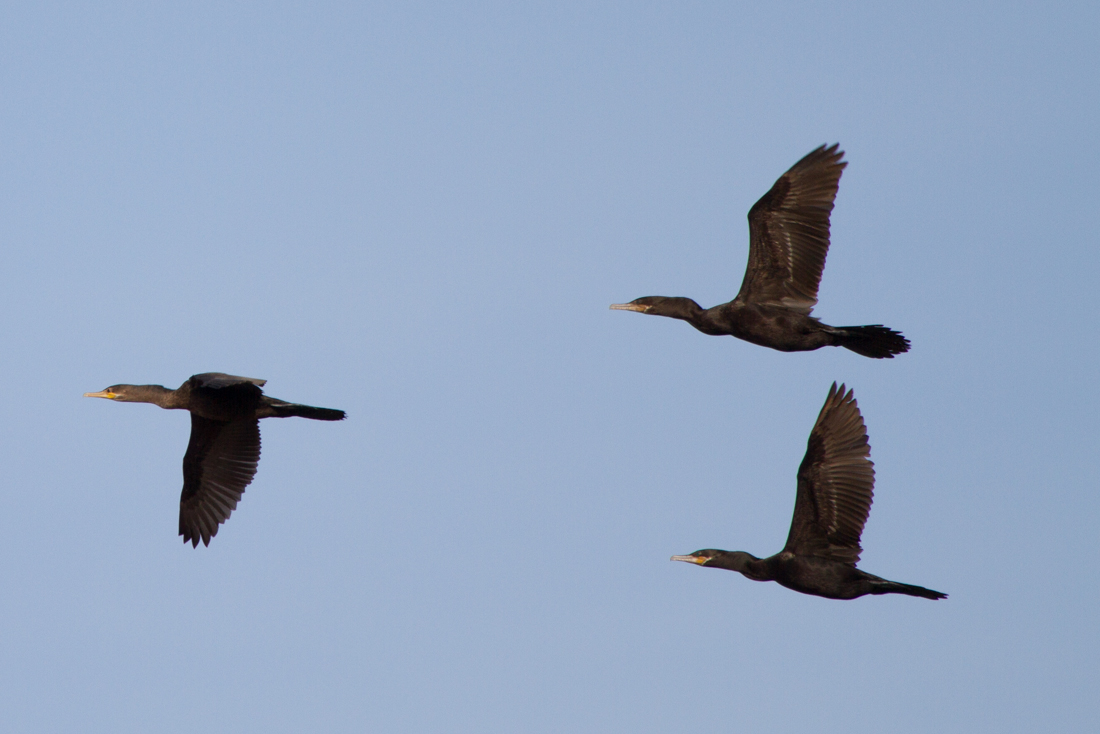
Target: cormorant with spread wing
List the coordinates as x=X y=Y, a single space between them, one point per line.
x=224 y=449
x=788 y=242
x=835 y=489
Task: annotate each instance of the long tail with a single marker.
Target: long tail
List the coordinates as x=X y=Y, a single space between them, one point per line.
x=893 y=587
x=283 y=409
x=876 y=341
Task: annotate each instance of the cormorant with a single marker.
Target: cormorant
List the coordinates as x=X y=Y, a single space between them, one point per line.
x=835 y=483
x=224 y=449
x=788 y=242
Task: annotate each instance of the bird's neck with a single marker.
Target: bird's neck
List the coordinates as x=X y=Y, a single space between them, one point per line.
x=703 y=319
x=744 y=563
x=678 y=307
x=157 y=395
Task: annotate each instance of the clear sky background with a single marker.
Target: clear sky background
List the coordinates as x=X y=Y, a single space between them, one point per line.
x=420 y=213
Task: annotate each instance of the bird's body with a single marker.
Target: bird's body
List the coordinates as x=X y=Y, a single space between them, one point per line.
x=224 y=449
x=813 y=575
x=788 y=243
x=835 y=490
x=769 y=326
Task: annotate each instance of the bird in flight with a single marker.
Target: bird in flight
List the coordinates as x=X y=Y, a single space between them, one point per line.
x=835 y=488
x=788 y=242
x=224 y=448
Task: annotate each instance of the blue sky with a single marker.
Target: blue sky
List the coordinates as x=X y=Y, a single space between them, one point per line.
x=419 y=213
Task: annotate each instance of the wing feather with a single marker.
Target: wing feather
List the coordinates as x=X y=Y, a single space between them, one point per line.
x=220 y=462
x=835 y=483
x=217 y=380
x=789 y=233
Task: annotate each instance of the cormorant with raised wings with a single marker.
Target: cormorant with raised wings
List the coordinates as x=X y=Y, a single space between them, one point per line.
x=835 y=488
x=788 y=242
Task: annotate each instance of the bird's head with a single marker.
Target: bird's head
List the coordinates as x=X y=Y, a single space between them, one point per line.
x=641 y=305
x=730 y=560
x=132 y=394
x=699 y=557
x=677 y=307
x=114 y=392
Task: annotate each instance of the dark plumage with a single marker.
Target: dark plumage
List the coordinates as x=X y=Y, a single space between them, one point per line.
x=835 y=489
x=788 y=242
x=224 y=449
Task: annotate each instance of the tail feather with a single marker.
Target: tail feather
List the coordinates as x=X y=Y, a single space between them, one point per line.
x=294 y=410
x=876 y=341
x=893 y=587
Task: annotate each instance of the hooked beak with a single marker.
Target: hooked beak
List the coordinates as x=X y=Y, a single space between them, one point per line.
x=629 y=307
x=101 y=394
x=690 y=559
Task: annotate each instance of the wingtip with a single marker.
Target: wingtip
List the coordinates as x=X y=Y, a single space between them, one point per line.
x=840 y=394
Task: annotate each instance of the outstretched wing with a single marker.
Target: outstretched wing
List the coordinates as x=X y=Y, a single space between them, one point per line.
x=835 y=483
x=220 y=462
x=789 y=233
x=220 y=379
